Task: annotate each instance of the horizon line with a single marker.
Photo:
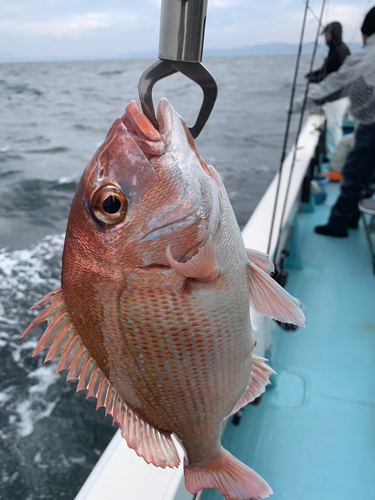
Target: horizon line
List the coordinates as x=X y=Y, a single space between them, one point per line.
x=265 y=49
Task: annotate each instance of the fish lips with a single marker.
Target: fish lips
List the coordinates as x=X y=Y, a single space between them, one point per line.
x=152 y=142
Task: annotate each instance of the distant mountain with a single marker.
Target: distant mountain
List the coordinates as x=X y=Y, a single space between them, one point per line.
x=271 y=49
x=264 y=49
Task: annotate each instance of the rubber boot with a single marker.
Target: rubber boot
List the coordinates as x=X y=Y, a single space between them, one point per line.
x=352 y=220
x=337 y=226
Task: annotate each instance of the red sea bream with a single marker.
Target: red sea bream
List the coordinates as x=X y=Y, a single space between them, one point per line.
x=152 y=316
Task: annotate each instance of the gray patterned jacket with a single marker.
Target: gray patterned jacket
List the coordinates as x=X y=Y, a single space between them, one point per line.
x=355 y=79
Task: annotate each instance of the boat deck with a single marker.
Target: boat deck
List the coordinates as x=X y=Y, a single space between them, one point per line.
x=312 y=435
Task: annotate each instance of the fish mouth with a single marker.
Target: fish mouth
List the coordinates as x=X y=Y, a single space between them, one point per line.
x=151 y=141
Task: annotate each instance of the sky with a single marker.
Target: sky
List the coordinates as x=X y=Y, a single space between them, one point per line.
x=96 y=29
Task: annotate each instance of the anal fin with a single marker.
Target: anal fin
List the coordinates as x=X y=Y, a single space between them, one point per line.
x=259 y=379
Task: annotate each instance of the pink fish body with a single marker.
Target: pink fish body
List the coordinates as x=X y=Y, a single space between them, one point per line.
x=153 y=313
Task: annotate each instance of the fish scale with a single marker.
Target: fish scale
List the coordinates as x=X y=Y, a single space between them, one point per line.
x=207 y=355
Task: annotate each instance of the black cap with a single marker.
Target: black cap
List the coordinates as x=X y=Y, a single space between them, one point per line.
x=368 y=26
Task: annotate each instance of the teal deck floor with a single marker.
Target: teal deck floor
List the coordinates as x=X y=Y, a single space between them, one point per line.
x=312 y=436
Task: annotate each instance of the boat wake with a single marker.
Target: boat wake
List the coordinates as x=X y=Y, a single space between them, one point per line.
x=42 y=441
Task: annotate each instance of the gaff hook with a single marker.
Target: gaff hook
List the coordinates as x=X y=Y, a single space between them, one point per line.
x=180 y=49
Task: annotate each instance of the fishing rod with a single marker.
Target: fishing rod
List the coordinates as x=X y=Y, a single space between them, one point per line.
x=286 y=135
x=298 y=134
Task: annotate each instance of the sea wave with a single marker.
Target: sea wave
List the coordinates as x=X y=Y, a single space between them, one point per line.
x=42 y=202
x=21 y=88
x=57 y=149
x=7 y=155
x=26 y=275
x=41 y=438
x=109 y=73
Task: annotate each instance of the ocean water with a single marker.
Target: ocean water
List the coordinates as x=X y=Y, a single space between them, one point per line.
x=53 y=117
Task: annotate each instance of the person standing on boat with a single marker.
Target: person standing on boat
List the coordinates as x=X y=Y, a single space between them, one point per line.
x=334 y=111
x=355 y=79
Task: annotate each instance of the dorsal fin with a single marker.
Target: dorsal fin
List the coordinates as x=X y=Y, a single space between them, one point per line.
x=68 y=353
x=153 y=446
x=46 y=315
x=50 y=297
x=60 y=341
x=50 y=333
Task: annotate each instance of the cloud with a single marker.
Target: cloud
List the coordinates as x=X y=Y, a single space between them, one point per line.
x=222 y=4
x=93 y=28
x=350 y=16
x=73 y=26
x=254 y=22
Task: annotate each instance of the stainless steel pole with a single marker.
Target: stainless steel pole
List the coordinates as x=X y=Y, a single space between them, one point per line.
x=182 y=25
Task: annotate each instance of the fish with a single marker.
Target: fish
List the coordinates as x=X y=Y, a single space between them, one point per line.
x=152 y=316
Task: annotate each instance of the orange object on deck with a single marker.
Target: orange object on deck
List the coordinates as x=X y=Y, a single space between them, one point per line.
x=332 y=175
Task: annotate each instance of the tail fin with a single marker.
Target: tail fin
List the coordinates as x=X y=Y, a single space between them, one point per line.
x=234 y=479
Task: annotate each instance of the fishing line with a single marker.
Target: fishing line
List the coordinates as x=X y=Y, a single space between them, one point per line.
x=286 y=135
x=298 y=133
x=313 y=13
x=326 y=15
x=359 y=22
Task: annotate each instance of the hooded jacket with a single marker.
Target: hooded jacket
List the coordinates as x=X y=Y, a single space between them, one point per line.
x=338 y=51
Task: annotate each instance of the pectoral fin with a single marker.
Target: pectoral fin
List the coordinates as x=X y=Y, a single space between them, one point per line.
x=269 y=298
x=202 y=266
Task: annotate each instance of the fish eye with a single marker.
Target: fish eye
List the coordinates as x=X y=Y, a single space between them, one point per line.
x=112 y=204
x=109 y=204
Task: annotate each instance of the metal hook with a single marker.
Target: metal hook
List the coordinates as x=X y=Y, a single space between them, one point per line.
x=157 y=71
x=193 y=70
x=182 y=26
